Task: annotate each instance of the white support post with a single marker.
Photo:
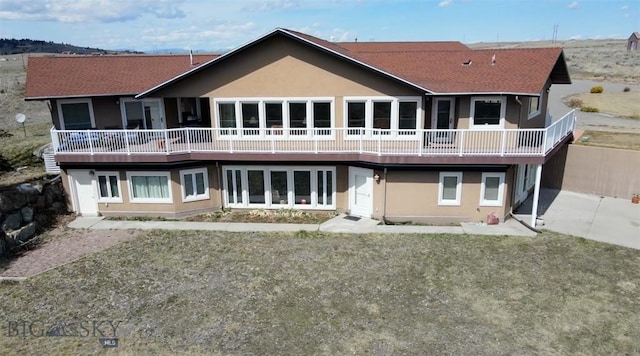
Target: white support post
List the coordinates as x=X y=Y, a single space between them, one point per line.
x=536 y=195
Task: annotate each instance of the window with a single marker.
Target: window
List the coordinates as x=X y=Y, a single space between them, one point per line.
x=280 y=187
x=382 y=115
x=76 y=114
x=109 y=187
x=321 y=115
x=487 y=112
x=408 y=112
x=534 y=106
x=492 y=189
x=149 y=187
x=385 y=115
x=275 y=116
x=356 y=116
x=450 y=188
x=195 y=184
x=227 y=115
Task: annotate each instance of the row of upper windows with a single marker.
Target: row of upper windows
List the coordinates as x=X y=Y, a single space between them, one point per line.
x=401 y=113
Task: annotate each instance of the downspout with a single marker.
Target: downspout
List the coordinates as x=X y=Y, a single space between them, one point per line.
x=219 y=174
x=384 y=197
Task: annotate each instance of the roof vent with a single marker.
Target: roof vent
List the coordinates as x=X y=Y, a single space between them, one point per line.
x=493 y=60
x=467 y=63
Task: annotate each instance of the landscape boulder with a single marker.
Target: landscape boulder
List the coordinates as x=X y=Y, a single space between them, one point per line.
x=12 y=200
x=12 y=221
x=27 y=214
x=23 y=234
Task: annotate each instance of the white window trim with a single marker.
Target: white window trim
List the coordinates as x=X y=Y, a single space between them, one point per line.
x=109 y=199
x=448 y=202
x=264 y=131
x=243 y=196
x=196 y=196
x=149 y=200
x=500 y=200
x=369 y=112
x=533 y=114
x=503 y=110
x=88 y=101
x=434 y=111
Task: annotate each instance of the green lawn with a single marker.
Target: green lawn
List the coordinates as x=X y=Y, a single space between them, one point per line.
x=313 y=293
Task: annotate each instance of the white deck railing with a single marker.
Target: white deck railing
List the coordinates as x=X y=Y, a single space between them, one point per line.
x=460 y=142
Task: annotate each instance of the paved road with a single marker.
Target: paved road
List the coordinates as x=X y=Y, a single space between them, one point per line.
x=586 y=120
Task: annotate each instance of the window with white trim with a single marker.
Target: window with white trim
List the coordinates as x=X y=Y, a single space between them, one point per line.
x=450 y=188
x=149 y=187
x=278 y=187
x=195 y=184
x=275 y=116
x=75 y=114
x=492 y=189
x=487 y=112
x=534 y=106
x=393 y=116
x=109 y=187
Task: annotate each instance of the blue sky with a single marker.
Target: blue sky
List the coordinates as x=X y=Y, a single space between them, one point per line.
x=149 y=25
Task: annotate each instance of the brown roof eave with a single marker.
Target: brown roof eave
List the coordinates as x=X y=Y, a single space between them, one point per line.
x=35 y=98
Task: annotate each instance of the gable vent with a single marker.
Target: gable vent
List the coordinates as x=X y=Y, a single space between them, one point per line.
x=467 y=63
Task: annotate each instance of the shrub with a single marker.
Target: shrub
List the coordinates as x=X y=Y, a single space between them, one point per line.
x=626 y=89
x=589 y=109
x=575 y=102
x=597 y=89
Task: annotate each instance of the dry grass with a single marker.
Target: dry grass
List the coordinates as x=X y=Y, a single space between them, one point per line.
x=265 y=216
x=625 y=104
x=621 y=140
x=310 y=293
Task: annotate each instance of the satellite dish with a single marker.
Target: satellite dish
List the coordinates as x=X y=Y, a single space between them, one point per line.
x=20 y=118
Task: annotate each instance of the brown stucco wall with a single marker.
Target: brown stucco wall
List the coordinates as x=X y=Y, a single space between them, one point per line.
x=413 y=196
x=171 y=112
x=106 y=112
x=594 y=170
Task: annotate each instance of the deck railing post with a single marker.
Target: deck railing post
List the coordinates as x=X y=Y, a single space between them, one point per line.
x=461 y=153
x=421 y=142
x=89 y=137
x=188 y=139
x=166 y=141
x=504 y=142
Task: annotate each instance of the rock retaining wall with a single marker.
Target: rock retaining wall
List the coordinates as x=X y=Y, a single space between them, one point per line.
x=26 y=209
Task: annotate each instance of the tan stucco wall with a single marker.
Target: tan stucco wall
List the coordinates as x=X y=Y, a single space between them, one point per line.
x=413 y=196
x=177 y=208
x=280 y=67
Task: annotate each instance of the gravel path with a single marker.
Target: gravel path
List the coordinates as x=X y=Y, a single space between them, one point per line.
x=586 y=120
x=63 y=246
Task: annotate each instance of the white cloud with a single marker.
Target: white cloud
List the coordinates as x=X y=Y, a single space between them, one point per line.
x=624 y=7
x=274 y=5
x=89 y=10
x=215 y=37
x=576 y=37
x=573 y=5
x=445 y=3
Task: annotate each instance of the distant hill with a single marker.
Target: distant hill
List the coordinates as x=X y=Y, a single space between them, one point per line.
x=15 y=46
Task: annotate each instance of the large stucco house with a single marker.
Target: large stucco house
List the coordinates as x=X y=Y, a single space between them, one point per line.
x=403 y=131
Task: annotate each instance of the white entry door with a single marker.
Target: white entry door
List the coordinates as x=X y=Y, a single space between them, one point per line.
x=361 y=191
x=442 y=119
x=83 y=192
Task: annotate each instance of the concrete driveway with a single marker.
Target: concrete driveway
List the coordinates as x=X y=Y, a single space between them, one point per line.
x=605 y=219
x=586 y=120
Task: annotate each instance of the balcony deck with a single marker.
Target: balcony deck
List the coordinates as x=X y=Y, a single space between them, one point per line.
x=375 y=145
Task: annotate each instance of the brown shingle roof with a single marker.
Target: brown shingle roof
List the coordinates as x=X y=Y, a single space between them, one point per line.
x=402 y=46
x=75 y=76
x=437 y=66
